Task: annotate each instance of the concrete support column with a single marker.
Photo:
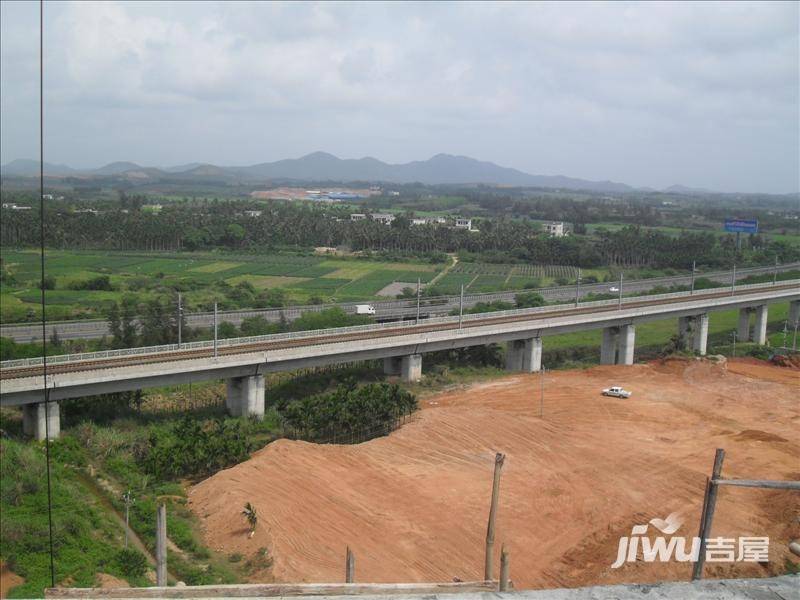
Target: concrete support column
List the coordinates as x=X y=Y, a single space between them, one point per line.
x=700 y=334
x=411 y=368
x=532 y=357
x=391 y=365
x=760 y=329
x=524 y=355
x=34 y=416
x=794 y=312
x=627 y=339
x=684 y=325
x=743 y=330
x=608 y=350
x=245 y=397
x=514 y=355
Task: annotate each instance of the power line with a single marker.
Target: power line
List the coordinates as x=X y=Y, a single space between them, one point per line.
x=44 y=315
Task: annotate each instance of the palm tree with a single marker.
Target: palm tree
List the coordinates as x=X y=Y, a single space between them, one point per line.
x=251 y=515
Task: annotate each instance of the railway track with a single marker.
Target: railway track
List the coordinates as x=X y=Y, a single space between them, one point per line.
x=176 y=355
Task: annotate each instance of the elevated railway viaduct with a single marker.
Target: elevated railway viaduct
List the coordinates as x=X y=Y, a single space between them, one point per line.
x=243 y=362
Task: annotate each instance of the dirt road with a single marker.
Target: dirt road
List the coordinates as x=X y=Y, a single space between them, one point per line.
x=413 y=505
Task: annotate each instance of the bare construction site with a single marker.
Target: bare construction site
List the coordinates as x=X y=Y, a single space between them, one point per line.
x=581 y=471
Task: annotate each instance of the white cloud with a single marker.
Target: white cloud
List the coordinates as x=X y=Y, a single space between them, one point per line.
x=585 y=89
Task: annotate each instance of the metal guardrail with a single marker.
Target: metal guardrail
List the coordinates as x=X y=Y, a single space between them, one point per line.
x=334 y=331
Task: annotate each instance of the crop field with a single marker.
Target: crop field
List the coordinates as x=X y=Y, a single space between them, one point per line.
x=202 y=277
x=482 y=277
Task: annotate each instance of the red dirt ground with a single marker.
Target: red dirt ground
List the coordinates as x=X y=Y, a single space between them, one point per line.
x=413 y=505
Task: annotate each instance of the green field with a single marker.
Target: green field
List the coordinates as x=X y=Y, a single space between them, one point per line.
x=657 y=333
x=203 y=278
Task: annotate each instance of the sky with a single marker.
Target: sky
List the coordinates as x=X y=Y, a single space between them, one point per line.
x=649 y=94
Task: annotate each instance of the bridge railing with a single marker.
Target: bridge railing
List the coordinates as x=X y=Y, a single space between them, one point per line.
x=340 y=331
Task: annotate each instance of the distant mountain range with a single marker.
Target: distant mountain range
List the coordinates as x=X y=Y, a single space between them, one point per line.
x=321 y=166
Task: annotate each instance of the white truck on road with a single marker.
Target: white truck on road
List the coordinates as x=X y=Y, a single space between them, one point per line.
x=365 y=309
x=617 y=392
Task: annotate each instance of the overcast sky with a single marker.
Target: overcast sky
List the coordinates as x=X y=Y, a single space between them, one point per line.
x=649 y=94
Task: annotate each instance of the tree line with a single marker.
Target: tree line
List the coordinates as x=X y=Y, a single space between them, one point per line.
x=225 y=225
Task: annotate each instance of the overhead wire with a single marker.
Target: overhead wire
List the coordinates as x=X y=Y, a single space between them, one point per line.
x=42 y=286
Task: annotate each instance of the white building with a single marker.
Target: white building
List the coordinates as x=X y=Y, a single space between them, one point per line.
x=428 y=221
x=385 y=218
x=463 y=223
x=357 y=216
x=253 y=213
x=554 y=229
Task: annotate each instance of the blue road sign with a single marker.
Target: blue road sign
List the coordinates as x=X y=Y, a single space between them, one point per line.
x=741 y=225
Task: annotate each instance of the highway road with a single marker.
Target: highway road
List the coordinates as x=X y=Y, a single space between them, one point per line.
x=473 y=330
x=388 y=310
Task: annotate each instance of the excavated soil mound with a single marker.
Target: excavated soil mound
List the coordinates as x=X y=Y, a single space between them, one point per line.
x=413 y=505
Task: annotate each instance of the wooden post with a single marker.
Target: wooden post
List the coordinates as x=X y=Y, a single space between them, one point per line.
x=707 y=518
x=498 y=466
x=503 y=569
x=350 y=567
x=161 y=546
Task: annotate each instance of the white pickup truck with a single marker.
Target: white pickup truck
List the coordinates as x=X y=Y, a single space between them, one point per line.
x=617 y=392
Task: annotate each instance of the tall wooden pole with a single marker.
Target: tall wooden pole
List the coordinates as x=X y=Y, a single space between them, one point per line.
x=349 y=567
x=161 y=546
x=488 y=572
x=694 y=263
x=620 y=289
x=707 y=518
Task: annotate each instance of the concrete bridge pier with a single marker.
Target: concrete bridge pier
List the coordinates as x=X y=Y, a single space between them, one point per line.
x=524 y=355
x=743 y=329
x=760 y=329
x=794 y=312
x=627 y=340
x=245 y=396
x=411 y=368
x=700 y=334
x=34 y=416
x=391 y=365
x=685 y=328
x=608 y=349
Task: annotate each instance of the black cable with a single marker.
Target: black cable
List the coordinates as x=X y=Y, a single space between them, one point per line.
x=44 y=318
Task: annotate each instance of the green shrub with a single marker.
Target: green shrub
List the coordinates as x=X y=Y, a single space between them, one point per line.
x=348 y=408
x=191 y=447
x=131 y=562
x=529 y=300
